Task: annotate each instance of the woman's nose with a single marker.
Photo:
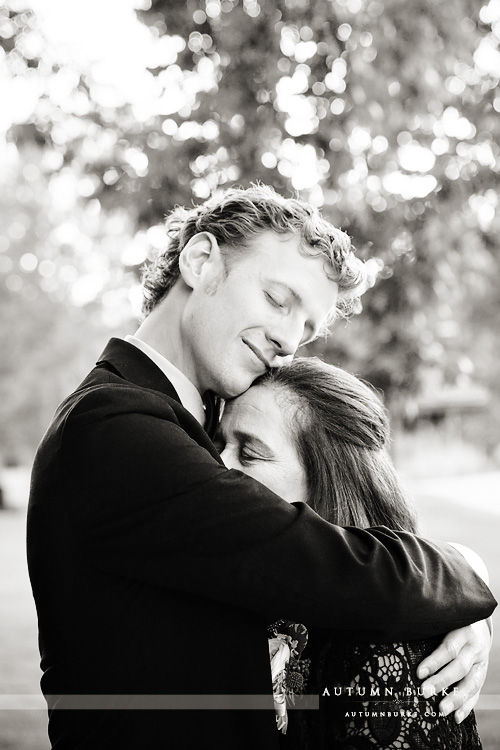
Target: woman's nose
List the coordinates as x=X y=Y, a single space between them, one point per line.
x=226 y=459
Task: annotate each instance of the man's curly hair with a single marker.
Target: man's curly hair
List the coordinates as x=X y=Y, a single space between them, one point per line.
x=238 y=216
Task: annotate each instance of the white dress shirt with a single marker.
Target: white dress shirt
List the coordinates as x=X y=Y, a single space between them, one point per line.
x=187 y=392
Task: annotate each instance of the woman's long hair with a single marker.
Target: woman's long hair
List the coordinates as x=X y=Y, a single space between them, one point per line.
x=341 y=431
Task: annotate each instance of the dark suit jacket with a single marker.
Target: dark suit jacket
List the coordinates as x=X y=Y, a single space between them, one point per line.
x=155 y=570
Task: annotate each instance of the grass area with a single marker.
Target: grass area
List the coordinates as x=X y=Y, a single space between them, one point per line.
x=476 y=525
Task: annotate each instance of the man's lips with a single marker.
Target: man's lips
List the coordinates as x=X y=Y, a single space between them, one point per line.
x=258 y=354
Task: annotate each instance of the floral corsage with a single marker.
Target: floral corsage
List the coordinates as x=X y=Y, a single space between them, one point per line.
x=287 y=641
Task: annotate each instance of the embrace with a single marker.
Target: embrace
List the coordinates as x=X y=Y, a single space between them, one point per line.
x=160 y=559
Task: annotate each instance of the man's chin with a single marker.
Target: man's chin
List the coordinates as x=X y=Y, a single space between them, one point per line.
x=235 y=388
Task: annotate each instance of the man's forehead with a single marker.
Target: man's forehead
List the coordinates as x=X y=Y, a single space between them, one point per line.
x=291 y=249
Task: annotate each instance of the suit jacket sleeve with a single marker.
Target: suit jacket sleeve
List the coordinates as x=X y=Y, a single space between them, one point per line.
x=148 y=502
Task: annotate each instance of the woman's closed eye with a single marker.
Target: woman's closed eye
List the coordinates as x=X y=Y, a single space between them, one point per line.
x=247 y=455
x=243 y=449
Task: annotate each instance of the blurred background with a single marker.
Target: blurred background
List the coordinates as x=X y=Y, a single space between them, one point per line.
x=383 y=113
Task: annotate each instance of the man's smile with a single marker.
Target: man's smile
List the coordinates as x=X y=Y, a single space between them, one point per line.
x=258 y=354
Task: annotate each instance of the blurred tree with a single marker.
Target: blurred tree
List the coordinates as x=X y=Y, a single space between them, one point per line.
x=384 y=114
x=48 y=337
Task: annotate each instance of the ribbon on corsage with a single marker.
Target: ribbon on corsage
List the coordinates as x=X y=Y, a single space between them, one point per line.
x=289 y=672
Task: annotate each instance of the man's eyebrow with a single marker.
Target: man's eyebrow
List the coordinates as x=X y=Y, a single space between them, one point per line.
x=288 y=289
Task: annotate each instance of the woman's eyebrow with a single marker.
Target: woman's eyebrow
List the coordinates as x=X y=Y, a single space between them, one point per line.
x=247 y=437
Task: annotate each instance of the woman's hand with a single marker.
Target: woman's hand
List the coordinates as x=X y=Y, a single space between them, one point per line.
x=461 y=658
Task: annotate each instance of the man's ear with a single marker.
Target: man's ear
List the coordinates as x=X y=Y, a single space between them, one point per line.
x=199 y=258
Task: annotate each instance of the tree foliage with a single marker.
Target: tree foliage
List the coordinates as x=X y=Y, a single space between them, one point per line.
x=383 y=113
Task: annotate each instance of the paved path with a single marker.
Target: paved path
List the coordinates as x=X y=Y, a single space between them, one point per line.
x=466 y=509
x=19 y=659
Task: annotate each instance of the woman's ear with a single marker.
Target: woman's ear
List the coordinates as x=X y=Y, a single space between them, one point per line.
x=199 y=259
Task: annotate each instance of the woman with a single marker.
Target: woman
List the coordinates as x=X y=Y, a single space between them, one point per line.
x=313 y=433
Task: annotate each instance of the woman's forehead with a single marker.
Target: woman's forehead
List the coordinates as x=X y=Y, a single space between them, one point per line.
x=258 y=404
x=264 y=409
x=252 y=405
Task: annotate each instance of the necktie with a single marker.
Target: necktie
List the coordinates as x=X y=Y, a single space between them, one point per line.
x=212 y=413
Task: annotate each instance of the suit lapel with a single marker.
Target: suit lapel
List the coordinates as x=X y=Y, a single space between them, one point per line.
x=131 y=364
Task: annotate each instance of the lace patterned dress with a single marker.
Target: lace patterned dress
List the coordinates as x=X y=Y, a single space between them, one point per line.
x=369 y=698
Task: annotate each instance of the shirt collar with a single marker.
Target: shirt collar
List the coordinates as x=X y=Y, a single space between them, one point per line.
x=187 y=392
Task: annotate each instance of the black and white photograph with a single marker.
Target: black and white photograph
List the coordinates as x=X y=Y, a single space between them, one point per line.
x=249 y=374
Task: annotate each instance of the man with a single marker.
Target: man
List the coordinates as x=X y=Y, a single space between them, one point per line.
x=156 y=570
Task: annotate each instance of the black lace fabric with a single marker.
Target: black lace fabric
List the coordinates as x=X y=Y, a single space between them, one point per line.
x=369 y=698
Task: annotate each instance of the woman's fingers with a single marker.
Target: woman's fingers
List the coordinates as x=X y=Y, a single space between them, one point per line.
x=463 y=697
x=446 y=652
x=460 y=661
x=453 y=673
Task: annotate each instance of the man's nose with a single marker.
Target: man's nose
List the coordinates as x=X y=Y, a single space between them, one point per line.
x=281 y=360
x=286 y=341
